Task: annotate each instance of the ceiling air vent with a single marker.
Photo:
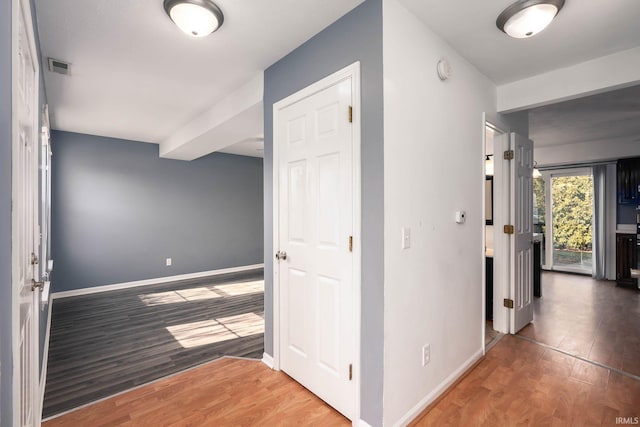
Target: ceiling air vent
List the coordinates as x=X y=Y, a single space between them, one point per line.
x=57 y=66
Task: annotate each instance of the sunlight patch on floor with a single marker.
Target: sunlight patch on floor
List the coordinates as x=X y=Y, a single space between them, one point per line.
x=202 y=293
x=241 y=288
x=205 y=332
x=183 y=295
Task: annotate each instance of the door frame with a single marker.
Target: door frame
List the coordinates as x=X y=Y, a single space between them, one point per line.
x=352 y=71
x=18 y=6
x=500 y=313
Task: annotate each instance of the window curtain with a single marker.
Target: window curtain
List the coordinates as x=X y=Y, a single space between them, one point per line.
x=599 y=221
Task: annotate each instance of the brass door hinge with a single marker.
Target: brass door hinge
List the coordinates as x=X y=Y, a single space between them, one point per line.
x=350 y=114
x=508 y=303
x=509 y=155
x=350 y=243
x=509 y=229
x=350 y=371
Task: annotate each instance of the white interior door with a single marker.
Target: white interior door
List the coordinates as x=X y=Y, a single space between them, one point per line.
x=314 y=146
x=25 y=223
x=521 y=268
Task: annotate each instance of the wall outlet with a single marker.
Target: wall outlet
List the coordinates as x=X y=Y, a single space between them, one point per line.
x=426 y=354
x=169 y=261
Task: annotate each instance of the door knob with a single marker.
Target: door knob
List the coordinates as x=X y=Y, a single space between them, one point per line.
x=281 y=255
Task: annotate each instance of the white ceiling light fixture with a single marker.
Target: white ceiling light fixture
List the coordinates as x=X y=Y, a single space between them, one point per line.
x=197 y=18
x=526 y=18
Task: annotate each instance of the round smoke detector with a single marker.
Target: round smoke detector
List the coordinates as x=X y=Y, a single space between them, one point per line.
x=444 y=69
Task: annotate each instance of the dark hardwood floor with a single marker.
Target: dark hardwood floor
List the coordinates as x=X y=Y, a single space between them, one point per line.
x=105 y=343
x=590 y=318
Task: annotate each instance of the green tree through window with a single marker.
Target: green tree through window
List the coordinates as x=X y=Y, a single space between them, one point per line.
x=572 y=212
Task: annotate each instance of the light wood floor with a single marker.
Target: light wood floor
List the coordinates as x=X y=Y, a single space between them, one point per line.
x=517 y=383
x=590 y=318
x=105 y=343
x=227 y=392
x=520 y=383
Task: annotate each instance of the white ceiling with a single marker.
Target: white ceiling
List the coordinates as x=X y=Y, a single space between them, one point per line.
x=135 y=75
x=583 y=30
x=605 y=118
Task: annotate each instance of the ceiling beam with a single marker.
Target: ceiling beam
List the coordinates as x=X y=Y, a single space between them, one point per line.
x=236 y=118
x=615 y=71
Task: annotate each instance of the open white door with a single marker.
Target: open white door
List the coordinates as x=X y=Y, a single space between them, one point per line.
x=513 y=245
x=521 y=263
x=25 y=232
x=316 y=212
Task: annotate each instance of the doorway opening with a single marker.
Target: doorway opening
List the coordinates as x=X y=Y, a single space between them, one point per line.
x=490 y=334
x=564 y=214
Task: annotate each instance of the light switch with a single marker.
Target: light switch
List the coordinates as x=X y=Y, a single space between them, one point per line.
x=406 y=238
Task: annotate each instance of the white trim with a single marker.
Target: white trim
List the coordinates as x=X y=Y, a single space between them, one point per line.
x=361 y=423
x=267 y=359
x=147 y=282
x=351 y=71
x=24 y=7
x=483 y=264
x=45 y=358
x=500 y=315
x=441 y=388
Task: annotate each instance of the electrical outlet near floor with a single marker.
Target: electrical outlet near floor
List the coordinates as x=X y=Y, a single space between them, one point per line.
x=169 y=261
x=426 y=354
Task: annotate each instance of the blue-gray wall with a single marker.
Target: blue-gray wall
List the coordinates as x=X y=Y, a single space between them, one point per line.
x=6 y=401
x=119 y=210
x=355 y=37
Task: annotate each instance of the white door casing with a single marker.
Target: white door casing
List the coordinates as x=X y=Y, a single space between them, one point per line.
x=521 y=269
x=316 y=210
x=25 y=230
x=501 y=243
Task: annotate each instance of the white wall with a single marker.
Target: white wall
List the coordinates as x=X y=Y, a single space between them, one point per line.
x=433 y=167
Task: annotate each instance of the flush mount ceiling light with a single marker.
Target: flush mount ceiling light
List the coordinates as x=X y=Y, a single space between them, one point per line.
x=526 y=18
x=197 y=18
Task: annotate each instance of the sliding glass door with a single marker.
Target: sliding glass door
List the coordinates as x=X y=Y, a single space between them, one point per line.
x=568 y=227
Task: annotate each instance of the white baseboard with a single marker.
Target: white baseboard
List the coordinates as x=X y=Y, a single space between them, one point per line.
x=361 y=423
x=267 y=360
x=45 y=358
x=431 y=397
x=146 y=282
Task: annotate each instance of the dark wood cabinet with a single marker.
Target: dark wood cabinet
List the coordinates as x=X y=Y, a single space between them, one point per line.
x=626 y=259
x=628 y=178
